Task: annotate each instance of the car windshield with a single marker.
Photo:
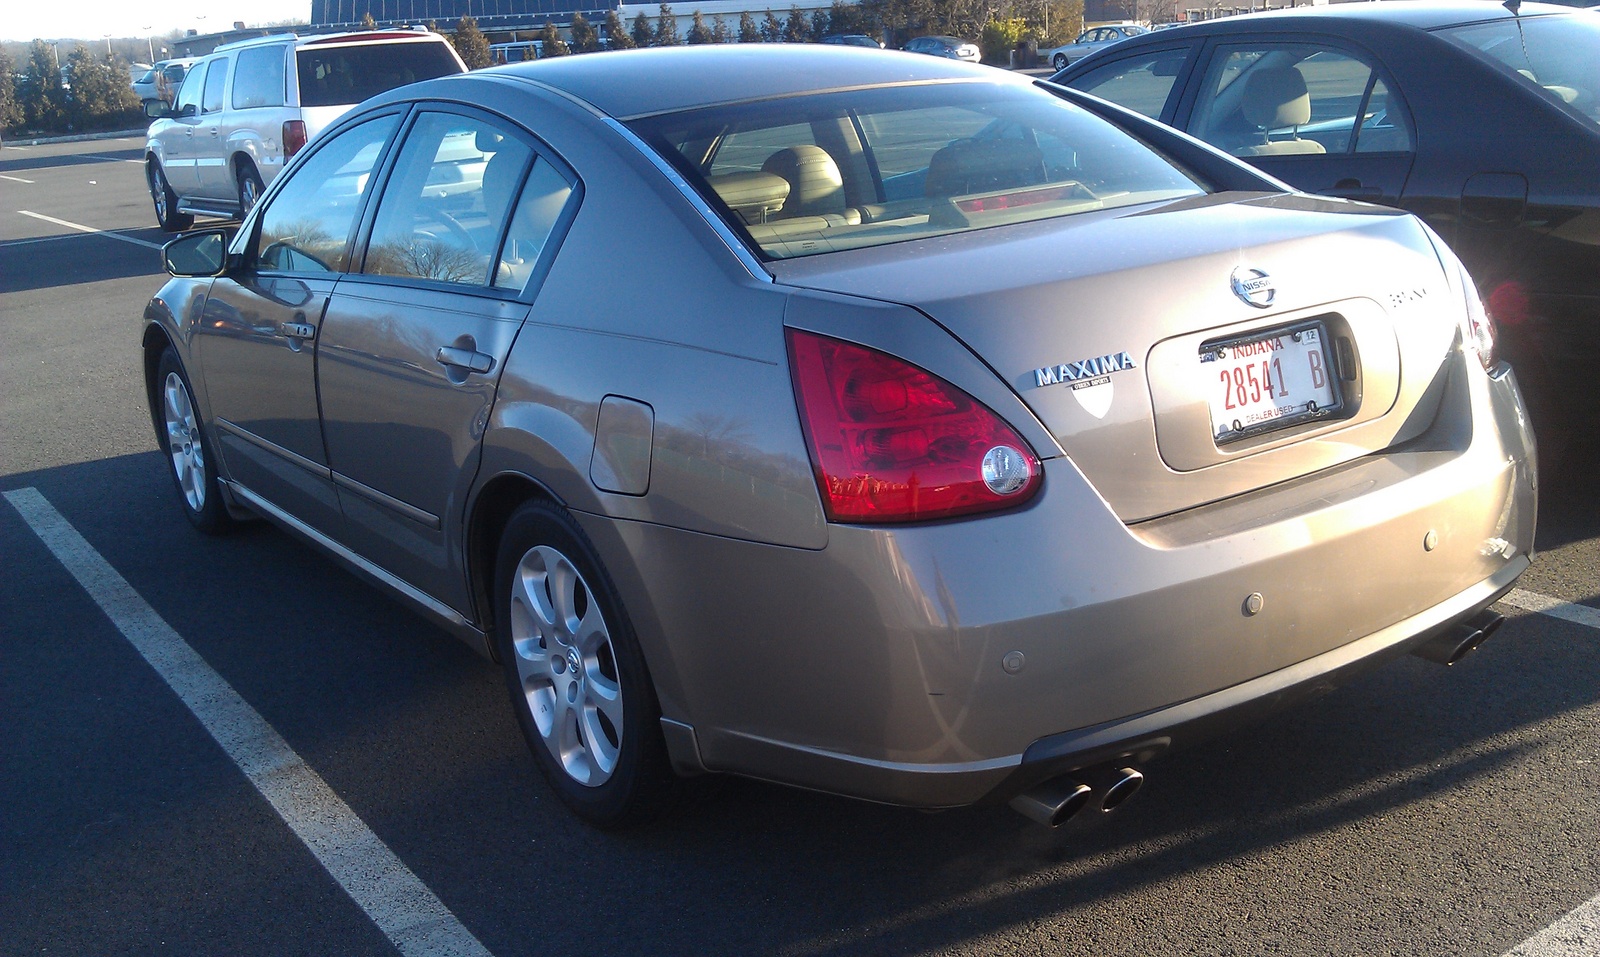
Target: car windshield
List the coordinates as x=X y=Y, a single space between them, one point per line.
x=343 y=75
x=1558 y=55
x=805 y=175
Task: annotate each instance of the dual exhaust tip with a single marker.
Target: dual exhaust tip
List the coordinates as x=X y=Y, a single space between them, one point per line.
x=1058 y=800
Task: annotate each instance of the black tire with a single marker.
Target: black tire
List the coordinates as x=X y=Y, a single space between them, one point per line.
x=1060 y=61
x=165 y=200
x=250 y=187
x=190 y=458
x=568 y=684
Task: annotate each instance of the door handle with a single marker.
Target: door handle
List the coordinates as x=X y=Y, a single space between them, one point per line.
x=467 y=359
x=299 y=330
x=1352 y=189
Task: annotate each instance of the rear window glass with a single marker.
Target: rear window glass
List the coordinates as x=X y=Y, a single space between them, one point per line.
x=345 y=75
x=864 y=168
x=1557 y=55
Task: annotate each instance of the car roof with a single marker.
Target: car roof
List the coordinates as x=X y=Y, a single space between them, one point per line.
x=333 y=39
x=633 y=83
x=1417 y=14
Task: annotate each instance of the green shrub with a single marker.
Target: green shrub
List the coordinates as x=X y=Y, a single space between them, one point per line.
x=1000 y=37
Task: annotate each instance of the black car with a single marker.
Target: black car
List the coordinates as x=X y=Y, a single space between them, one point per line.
x=1483 y=121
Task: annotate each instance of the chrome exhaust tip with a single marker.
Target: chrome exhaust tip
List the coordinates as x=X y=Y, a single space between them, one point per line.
x=1125 y=783
x=1053 y=803
x=1460 y=641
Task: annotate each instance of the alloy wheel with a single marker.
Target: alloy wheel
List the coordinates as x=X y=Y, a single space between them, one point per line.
x=183 y=442
x=567 y=665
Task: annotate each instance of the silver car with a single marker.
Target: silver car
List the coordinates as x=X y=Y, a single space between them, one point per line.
x=1090 y=40
x=923 y=434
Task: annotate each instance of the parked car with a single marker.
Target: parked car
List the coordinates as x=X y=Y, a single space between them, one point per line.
x=852 y=40
x=945 y=437
x=950 y=48
x=1483 y=122
x=1090 y=40
x=246 y=109
x=159 y=84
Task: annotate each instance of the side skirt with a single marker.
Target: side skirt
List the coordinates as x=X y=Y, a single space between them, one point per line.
x=431 y=608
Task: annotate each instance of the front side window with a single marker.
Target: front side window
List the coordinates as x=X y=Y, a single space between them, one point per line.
x=1557 y=55
x=189 y=93
x=216 y=78
x=1142 y=83
x=306 y=227
x=445 y=207
x=869 y=167
x=1293 y=98
x=259 y=79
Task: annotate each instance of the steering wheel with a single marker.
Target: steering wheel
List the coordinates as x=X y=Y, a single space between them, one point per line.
x=458 y=233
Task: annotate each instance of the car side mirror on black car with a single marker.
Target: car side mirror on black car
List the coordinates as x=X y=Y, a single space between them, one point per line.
x=199 y=254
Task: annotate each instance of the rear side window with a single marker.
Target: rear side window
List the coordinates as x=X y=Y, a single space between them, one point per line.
x=259 y=79
x=345 y=75
x=216 y=77
x=1292 y=98
x=442 y=214
x=1142 y=83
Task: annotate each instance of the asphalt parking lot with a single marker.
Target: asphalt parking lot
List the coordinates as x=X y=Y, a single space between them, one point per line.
x=231 y=746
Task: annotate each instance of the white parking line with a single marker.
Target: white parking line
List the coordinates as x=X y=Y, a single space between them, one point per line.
x=90 y=229
x=1555 y=608
x=1575 y=935
x=1578 y=933
x=112 y=159
x=16 y=179
x=403 y=907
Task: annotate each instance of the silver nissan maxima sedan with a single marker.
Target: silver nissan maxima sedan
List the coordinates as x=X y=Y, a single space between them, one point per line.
x=876 y=424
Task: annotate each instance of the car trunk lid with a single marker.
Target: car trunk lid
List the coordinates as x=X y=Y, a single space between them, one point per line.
x=1108 y=326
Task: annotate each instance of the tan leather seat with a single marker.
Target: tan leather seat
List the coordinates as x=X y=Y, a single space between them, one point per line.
x=1273 y=99
x=815 y=185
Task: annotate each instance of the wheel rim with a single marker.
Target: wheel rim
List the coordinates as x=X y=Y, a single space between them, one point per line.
x=566 y=665
x=183 y=443
x=158 y=192
x=248 y=194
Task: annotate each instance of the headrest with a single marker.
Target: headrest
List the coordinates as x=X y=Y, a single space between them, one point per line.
x=754 y=196
x=1276 y=97
x=815 y=185
x=983 y=166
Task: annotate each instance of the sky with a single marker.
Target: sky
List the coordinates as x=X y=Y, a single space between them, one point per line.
x=93 y=19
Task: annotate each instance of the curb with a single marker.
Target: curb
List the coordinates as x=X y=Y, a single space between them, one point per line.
x=76 y=138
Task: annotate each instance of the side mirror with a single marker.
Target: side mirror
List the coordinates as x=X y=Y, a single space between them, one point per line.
x=157 y=110
x=199 y=254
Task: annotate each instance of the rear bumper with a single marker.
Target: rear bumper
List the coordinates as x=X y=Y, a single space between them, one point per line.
x=956 y=662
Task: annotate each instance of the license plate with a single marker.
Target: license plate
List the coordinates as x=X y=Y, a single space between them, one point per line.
x=1268 y=382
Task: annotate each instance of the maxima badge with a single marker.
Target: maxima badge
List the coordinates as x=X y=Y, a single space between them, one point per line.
x=1090 y=379
x=1254 y=287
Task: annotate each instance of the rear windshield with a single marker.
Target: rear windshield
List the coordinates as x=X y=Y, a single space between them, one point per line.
x=813 y=174
x=1557 y=55
x=346 y=75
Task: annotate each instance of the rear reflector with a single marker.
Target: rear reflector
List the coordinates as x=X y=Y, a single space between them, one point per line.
x=891 y=442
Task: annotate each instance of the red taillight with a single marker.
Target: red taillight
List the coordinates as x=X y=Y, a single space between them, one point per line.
x=294 y=137
x=893 y=443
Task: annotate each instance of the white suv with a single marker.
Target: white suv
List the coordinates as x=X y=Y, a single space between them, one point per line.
x=245 y=110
